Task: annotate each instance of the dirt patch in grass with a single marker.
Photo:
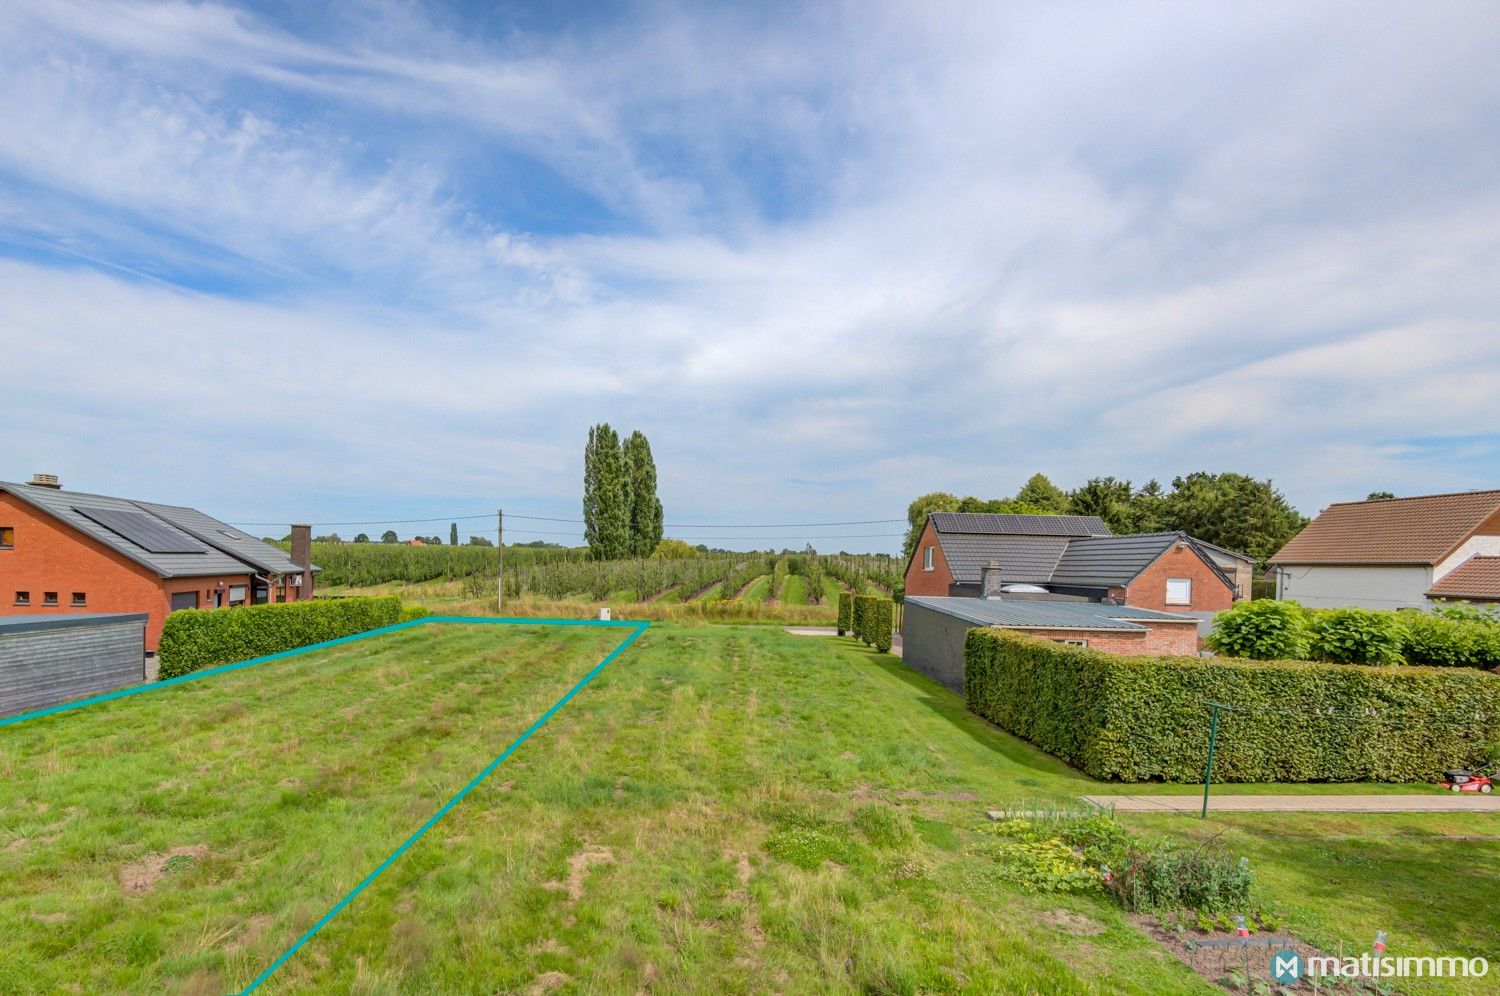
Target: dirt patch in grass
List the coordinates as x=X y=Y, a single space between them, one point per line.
x=548 y=982
x=17 y=844
x=1072 y=923
x=142 y=876
x=578 y=869
x=1231 y=967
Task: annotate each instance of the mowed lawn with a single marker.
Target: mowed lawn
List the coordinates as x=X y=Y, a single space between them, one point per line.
x=723 y=809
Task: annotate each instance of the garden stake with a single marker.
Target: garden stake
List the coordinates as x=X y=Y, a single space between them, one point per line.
x=1213 y=736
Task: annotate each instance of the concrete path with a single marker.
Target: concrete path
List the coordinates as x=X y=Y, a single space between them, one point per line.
x=833 y=631
x=1448 y=803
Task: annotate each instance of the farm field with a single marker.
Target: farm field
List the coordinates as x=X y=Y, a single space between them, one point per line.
x=725 y=808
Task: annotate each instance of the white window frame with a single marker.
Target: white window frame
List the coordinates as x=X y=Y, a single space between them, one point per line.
x=1188 y=600
x=1070 y=641
x=927 y=558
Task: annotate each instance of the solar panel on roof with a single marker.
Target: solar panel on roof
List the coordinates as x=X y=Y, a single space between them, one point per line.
x=142 y=530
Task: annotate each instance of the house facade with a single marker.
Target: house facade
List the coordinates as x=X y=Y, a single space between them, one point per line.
x=1396 y=553
x=933 y=629
x=65 y=552
x=1071 y=558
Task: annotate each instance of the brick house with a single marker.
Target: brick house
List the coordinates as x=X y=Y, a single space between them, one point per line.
x=1071 y=558
x=1395 y=553
x=69 y=552
x=934 y=628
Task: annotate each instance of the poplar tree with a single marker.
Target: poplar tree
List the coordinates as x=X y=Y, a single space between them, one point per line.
x=453 y=534
x=606 y=495
x=645 y=508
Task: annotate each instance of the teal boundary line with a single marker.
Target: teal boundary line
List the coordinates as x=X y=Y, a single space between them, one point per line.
x=636 y=628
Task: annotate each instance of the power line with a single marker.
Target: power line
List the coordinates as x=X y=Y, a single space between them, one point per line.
x=546 y=518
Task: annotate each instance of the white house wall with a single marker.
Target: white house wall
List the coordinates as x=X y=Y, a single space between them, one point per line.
x=1475 y=545
x=1328 y=587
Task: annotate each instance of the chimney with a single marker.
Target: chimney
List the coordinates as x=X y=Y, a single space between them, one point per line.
x=989 y=581
x=45 y=481
x=302 y=547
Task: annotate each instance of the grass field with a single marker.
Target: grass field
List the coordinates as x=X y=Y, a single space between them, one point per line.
x=724 y=809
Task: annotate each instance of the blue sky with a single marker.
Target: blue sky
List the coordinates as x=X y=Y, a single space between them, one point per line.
x=393 y=262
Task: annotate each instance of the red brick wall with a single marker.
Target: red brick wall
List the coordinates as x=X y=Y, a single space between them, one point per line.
x=50 y=556
x=935 y=581
x=1149 y=590
x=1160 y=639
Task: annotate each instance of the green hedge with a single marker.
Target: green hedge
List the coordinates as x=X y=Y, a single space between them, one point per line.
x=1448 y=636
x=194 y=639
x=874 y=619
x=846 y=613
x=1144 y=718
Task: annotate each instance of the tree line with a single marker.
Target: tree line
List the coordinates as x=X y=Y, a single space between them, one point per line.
x=1235 y=511
x=622 y=516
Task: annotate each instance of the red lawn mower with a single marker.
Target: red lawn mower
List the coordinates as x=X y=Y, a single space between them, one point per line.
x=1463 y=780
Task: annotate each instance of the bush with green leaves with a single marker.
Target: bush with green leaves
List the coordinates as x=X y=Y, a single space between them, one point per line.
x=1138 y=719
x=846 y=613
x=1170 y=875
x=1356 y=636
x=1261 y=630
x=880 y=618
x=1447 y=642
x=194 y=639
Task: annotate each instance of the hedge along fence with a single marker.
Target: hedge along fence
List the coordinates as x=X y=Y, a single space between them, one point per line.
x=846 y=613
x=873 y=618
x=1145 y=718
x=194 y=639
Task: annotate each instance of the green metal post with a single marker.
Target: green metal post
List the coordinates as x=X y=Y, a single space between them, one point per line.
x=1213 y=737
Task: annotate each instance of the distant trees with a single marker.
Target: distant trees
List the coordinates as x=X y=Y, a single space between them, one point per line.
x=674 y=549
x=1231 y=510
x=622 y=516
x=389 y=536
x=361 y=538
x=481 y=541
x=645 y=508
x=453 y=534
x=1380 y=496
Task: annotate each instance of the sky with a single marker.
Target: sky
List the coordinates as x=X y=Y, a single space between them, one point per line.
x=391 y=262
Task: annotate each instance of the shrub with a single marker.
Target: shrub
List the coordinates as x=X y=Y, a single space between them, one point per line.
x=1141 y=718
x=1262 y=630
x=846 y=613
x=1170 y=876
x=1444 y=641
x=862 y=609
x=1356 y=636
x=194 y=639
x=881 y=619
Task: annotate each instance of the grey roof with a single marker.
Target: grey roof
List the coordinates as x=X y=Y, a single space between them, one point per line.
x=28 y=623
x=1022 y=558
x=1114 y=561
x=1019 y=525
x=236 y=542
x=1043 y=614
x=215 y=558
x=1222 y=553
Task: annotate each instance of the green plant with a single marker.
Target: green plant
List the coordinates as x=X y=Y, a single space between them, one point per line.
x=1262 y=630
x=1356 y=636
x=1169 y=875
x=1142 y=718
x=1445 y=640
x=193 y=639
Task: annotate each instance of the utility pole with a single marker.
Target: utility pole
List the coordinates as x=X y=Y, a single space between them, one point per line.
x=500 y=560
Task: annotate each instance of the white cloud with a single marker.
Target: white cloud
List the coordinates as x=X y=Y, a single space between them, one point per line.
x=827 y=263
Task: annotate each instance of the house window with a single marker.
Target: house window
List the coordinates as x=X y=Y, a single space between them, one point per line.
x=1179 y=591
x=927 y=558
x=7 y=537
x=49 y=598
x=237 y=594
x=80 y=600
x=1072 y=642
x=23 y=598
x=184 y=600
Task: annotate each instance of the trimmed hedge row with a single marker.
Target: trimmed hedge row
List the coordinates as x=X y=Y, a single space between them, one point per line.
x=194 y=639
x=874 y=618
x=846 y=613
x=1144 y=718
x=1268 y=630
